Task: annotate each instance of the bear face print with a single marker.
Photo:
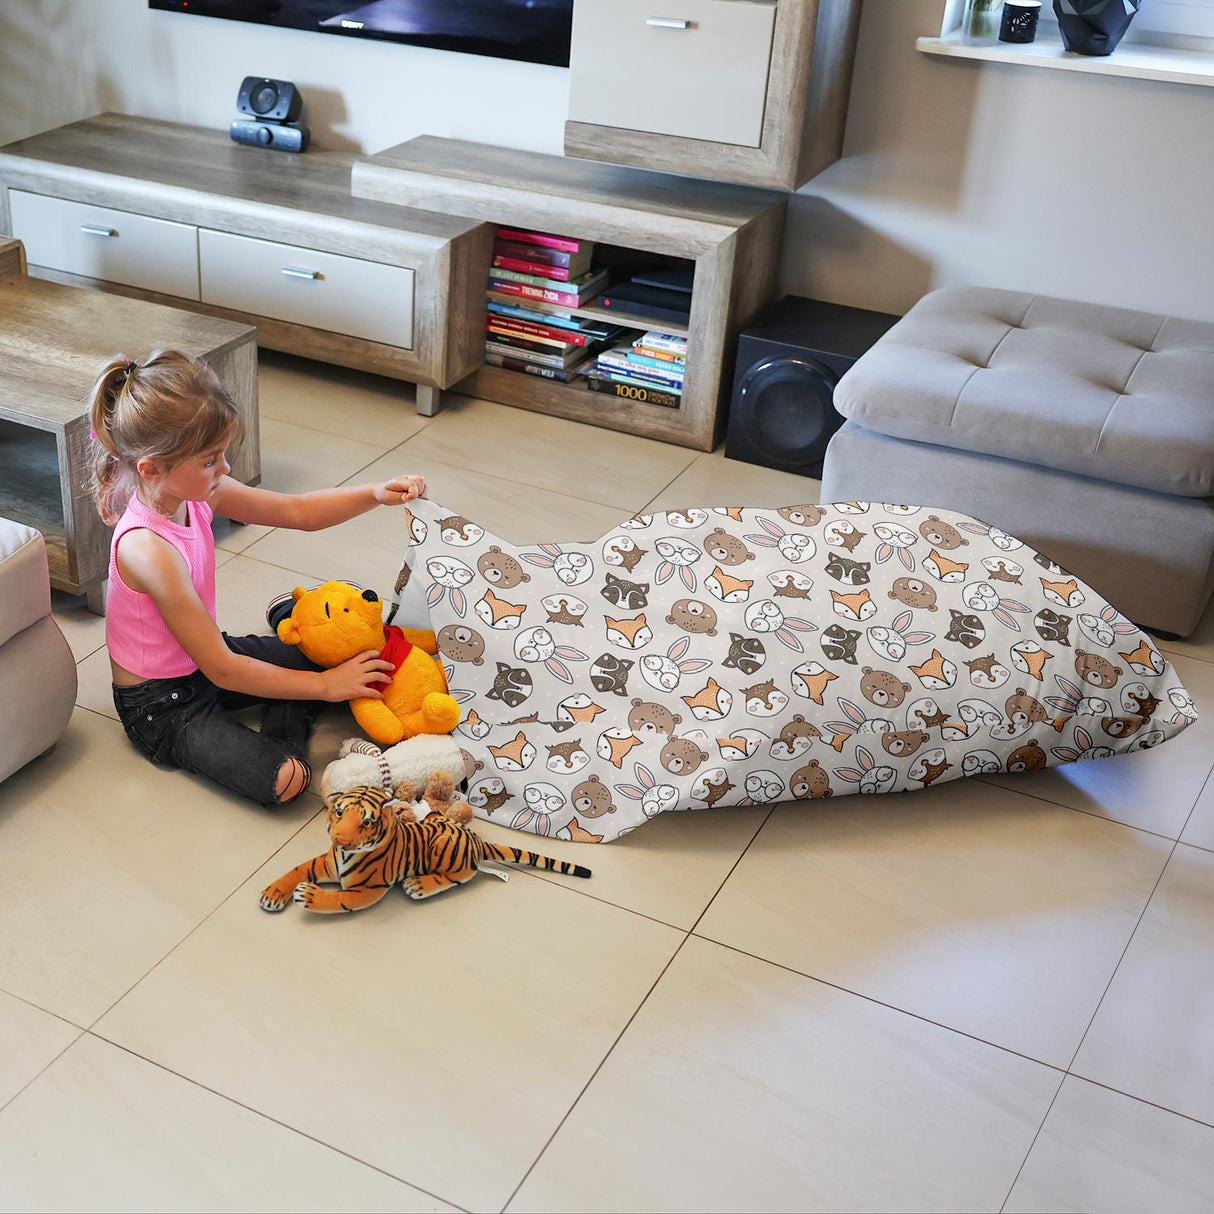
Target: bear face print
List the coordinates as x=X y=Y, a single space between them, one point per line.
x=647 y=719
x=694 y=616
x=810 y=782
x=630 y=595
x=941 y=535
x=1095 y=670
x=802 y=516
x=727 y=549
x=901 y=743
x=681 y=756
x=1023 y=710
x=882 y=688
x=500 y=570
x=1029 y=757
x=914 y=593
x=794 y=739
x=592 y=799
x=461 y=644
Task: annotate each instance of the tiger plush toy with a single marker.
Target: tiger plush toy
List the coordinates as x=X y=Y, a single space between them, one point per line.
x=378 y=843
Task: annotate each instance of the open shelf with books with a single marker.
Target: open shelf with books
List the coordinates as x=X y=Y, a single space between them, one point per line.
x=574 y=312
x=714 y=245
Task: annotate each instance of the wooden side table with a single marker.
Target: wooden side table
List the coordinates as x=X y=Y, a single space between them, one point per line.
x=53 y=339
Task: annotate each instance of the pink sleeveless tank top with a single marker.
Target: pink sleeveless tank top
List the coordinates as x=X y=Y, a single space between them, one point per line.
x=137 y=637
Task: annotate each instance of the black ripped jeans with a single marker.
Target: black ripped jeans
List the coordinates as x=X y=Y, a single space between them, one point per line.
x=188 y=722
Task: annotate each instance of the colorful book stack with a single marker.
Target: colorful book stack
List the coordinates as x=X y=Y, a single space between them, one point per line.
x=535 y=282
x=649 y=370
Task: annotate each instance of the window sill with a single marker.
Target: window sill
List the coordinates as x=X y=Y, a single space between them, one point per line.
x=1139 y=59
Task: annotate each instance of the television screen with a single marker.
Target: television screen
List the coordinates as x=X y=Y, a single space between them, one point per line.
x=536 y=31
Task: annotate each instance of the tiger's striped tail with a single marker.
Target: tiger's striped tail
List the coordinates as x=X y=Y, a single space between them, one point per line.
x=516 y=855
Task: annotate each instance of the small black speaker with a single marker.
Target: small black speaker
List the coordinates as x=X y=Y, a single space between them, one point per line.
x=269 y=100
x=782 y=413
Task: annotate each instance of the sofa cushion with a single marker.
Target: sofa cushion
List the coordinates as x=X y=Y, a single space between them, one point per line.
x=1122 y=396
x=729 y=655
x=25 y=588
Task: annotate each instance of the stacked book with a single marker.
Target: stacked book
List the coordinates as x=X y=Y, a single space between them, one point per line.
x=650 y=369
x=536 y=283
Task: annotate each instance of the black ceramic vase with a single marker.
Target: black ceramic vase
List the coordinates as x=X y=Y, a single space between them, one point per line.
x=1093 y=27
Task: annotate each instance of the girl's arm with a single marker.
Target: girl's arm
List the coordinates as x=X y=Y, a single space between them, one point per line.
x=152 y=566
x=311 y=511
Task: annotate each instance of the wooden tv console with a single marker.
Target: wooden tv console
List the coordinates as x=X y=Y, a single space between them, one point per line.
x=182 y=215
x=381 y=262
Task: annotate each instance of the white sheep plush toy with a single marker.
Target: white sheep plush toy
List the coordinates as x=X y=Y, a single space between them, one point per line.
x=362 y=763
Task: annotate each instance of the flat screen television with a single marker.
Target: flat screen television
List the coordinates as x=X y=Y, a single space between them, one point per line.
x=536 y=31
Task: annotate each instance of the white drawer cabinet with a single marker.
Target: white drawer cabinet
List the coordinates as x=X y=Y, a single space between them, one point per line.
x=695 y=68
x=321 y=290
x=752 y=91
x=98 y=242
x=203 y=223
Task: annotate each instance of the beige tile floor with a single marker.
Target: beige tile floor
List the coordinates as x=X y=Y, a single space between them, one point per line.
x=990 y=996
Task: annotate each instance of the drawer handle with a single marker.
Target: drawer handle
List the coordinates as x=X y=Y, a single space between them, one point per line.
x=96 y=229
x=296 y=272
x=669 y=23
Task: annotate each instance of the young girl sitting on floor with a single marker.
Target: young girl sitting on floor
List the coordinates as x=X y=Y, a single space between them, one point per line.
x=161 y=435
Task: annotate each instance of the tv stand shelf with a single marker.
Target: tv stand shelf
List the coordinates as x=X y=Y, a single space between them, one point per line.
x=731 y=233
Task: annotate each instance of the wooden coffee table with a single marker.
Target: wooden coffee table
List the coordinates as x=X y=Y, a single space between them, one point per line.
x=53 y=340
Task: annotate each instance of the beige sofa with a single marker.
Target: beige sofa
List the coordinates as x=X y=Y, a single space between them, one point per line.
x=1086 y=431
x=37 y=671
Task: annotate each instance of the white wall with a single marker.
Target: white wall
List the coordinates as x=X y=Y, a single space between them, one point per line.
x=66 y=59
x=954 y=172
x=1084 y=186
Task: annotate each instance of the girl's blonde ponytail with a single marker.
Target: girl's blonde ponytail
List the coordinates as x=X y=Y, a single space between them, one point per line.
x=108 y=487
x=168 y=409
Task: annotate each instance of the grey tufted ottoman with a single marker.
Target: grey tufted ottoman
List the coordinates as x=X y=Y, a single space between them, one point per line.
x=1086 y=431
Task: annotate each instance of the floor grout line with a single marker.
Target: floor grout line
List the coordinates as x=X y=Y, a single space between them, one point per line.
x=893 y=1007
x=636 y=1012
x=1012 y=1187
x=594 y=1074
x=240 y=1104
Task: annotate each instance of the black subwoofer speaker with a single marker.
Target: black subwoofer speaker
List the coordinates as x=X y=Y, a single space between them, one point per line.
x=782 y=413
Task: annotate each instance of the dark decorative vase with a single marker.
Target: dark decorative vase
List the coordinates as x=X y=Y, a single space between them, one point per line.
x=1093 y=27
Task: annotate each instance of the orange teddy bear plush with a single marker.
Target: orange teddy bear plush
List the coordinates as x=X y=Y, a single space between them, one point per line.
x=336 y=621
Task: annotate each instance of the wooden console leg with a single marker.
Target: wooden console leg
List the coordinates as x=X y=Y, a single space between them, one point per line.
x=95 y=598
x=429 y=400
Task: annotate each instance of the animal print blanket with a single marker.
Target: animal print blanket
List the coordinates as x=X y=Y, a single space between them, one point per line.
x=730 y=655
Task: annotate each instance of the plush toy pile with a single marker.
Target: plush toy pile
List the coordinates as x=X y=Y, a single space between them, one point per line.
x=382 y=837
x=338 y=621
x=731 y=655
